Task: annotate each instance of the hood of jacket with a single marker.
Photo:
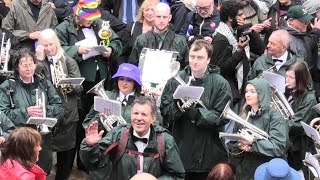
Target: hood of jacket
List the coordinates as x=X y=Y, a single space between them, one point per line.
x=263 y=91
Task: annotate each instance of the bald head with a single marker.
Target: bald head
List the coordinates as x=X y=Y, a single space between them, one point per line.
x=279 y=43
x=162 y=18
x=143 y=176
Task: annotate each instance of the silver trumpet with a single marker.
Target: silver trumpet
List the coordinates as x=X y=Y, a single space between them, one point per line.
x=6 y=54
x=110 y=121
x=40 y=101
x=185 y=103
x=248 y=130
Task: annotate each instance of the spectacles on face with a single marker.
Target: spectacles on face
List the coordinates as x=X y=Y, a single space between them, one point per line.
x=25 y=66
x=205 y=8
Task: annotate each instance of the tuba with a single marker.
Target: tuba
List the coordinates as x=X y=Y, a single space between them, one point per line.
x=280 y=102
x=250 y=131
x=5 y=54
x=185 y=103
x=59 y=74
x=110 y=121
x=40 y=101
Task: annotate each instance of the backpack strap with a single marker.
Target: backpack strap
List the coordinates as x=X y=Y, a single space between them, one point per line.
x=12 y=88
x=161 y=147
x=122 y=146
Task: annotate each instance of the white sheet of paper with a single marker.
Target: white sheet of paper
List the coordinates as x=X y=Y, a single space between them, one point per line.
x=313 y=160
x=188 y=92
x=100 y=49
x=310 y=131
x=50 y=122
x=89 y=43
x=275 y=80
x=156 y=66
x=317 y=108
x=107 y=106
x=72 y=81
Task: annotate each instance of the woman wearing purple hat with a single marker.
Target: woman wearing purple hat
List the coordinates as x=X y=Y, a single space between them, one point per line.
x=127 y=88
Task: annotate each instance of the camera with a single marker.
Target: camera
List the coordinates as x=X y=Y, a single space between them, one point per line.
x=243 y=31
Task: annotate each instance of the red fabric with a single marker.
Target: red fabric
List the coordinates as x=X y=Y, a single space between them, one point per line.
x=12 y=170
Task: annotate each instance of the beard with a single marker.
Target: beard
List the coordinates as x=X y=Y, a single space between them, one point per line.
x=234 y=23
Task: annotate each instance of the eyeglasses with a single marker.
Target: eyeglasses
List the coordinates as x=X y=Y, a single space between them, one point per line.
x=205 y=8
x=25 y=66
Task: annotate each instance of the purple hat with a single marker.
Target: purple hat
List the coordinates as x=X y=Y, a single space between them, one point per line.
x=276 y=169
x=130 y=71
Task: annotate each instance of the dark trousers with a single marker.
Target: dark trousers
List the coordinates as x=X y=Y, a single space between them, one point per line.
x=65 y=164
x=197 y=176
x=86 y=103
x=45 y=155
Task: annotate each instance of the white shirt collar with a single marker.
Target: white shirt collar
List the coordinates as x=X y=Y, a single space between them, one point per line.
x=122 y=96
x=145 y=136
x=283 y=57
x=54 y=58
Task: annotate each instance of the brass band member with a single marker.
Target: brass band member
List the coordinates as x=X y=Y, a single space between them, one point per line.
x=196 y=130
x=259 y=113
x=127 y=88
x=55 y=65
x=301 y=97
x=18 y=100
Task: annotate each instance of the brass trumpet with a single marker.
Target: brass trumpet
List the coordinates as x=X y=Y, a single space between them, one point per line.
x=40 y=101
x=110 y=121
x=5 y=53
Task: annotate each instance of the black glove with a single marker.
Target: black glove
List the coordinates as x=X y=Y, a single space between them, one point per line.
x=191 y=114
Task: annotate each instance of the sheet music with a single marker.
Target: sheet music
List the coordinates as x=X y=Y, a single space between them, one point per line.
x=89 y=43
x=188 y=92
x=156 y=66
x=311 y=132
x=107 y=106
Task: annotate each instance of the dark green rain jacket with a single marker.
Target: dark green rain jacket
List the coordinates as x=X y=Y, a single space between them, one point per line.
x=272 y=122
x=199 y=144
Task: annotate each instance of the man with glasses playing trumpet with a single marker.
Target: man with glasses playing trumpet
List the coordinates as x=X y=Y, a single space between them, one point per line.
x=196 y=128
x=19 y=101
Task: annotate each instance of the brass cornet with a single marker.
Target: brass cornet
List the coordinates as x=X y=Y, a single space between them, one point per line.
x=185 y=103
x=40 y=101
x=59 y=74
x=110 y=121
x=5 y=53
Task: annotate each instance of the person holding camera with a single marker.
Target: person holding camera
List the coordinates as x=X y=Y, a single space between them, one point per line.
x=204 y=21
x=232 y=54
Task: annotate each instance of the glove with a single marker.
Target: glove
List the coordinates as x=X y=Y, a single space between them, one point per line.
x=191 y=114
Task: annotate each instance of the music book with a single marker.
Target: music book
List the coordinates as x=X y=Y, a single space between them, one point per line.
x=100 y=49
x=235 y=137
x=312 y=161
x=107 y=106
x=50 y=122
x=311 y=132
x=72 y=81
x=188 y=92
x=275 y=80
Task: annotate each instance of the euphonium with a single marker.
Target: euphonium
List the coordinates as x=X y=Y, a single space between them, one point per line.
x=249 y=129
x=40 y=101
x=111 y=120
x=316 y=121
x=59 y=74
x=185 y=103
x=280 y=102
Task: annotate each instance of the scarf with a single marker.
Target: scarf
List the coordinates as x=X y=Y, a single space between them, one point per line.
x=228 y=33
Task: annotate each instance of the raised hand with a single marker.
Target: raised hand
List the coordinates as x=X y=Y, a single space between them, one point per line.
x=92 y=135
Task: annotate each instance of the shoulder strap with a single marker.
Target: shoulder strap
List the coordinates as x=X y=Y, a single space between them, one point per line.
x=122 y=146
x=151 y=40
x=11 y=90
x=168 y=40
x=161 y=147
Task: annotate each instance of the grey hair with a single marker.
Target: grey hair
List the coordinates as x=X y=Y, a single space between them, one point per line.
x=146 y=100
x=283 y=36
